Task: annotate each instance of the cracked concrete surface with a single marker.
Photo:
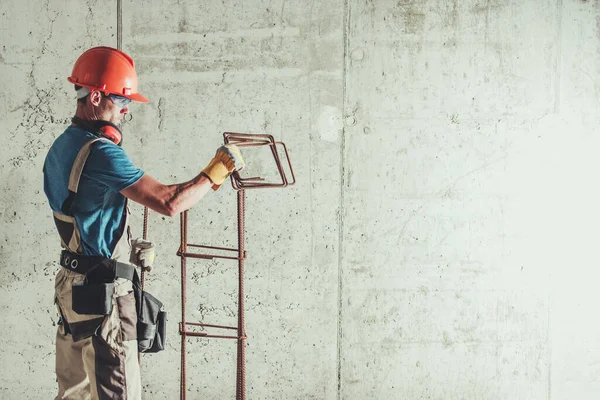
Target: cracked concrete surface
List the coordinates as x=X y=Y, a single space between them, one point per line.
x=440 y=241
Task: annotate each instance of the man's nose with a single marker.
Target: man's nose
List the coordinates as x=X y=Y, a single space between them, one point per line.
x=124 y=110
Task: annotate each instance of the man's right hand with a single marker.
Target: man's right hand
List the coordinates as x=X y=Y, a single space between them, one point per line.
x=227 y=159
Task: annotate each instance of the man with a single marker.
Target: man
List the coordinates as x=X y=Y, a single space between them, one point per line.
x=88 y=180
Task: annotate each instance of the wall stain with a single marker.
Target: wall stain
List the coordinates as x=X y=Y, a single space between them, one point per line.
x=412 y=15
x=37 y=114
x=161 y=116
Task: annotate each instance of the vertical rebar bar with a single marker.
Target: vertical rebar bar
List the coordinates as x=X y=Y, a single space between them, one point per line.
x=241 y=356
x=145 y=237
x=182 y=328
x=143 y=277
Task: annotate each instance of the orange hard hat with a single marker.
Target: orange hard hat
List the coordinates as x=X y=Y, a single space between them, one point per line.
x=108 y=70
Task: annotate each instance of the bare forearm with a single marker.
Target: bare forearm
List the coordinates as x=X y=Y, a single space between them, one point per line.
x=185 y=195
x=168 y=200
x=172 y=199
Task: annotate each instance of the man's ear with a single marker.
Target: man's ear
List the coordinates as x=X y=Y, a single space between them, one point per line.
x=95 y=97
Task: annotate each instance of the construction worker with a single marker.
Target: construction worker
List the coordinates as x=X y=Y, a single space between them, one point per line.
x=88 y=179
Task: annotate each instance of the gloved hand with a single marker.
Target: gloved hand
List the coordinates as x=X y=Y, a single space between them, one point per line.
x=142 y=254
x=228 y=159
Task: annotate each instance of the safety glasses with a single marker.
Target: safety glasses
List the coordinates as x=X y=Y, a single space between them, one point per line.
x=119 y=101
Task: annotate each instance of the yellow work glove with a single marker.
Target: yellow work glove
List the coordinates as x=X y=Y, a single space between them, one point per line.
x=142 y=254
x=228 y=159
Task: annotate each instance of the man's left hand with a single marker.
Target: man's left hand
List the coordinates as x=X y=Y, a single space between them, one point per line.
x=142 y=254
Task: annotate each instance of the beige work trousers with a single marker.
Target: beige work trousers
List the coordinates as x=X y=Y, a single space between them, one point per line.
x=104 y=365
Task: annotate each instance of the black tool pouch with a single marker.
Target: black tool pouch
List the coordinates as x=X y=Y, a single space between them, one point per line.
x=94 y=295
x=151 y=326
x=93 y=298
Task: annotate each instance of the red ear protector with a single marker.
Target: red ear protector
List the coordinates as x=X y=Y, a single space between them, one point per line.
x=100 y=128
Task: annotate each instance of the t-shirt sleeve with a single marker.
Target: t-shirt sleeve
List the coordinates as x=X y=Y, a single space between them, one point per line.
x=109 y=165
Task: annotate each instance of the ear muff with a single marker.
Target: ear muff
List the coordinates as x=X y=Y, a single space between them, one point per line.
x=100 y=128
x=112 y=133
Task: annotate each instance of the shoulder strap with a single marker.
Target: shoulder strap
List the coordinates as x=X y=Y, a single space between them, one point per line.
x=75 y=176
x=80 y=160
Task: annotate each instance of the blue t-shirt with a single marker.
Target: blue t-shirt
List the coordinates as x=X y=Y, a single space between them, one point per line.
x=98 y=206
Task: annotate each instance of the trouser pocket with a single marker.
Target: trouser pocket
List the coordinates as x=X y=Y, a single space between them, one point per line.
x=80 y=326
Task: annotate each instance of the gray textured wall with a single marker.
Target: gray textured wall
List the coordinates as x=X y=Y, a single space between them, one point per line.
x=440 y=242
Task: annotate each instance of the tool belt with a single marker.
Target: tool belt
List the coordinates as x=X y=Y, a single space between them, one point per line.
x=94 y=295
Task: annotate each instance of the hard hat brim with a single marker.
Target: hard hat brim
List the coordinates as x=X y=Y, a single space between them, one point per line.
x=137 y=97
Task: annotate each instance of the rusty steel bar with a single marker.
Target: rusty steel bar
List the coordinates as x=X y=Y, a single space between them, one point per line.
x=212 y=326
x=208 y=335
x=205 y=256
x=247 y=140
x=182 y=332
x=208 y=256
x=142 y=272
x=212 y=247
x=241 y=372
x=145 y=237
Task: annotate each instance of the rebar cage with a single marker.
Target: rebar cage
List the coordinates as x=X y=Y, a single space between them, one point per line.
x=286 y=177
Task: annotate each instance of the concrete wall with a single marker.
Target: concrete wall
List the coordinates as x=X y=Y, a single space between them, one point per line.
x=440 y=242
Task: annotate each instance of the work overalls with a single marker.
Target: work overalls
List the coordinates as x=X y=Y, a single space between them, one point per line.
x=96 y=355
